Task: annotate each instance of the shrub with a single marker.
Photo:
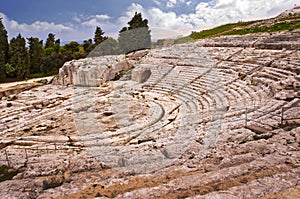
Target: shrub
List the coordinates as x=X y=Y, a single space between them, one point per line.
x=53 y=182
x=6 y=173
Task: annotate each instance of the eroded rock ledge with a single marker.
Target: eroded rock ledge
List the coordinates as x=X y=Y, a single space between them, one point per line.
x=94 y=71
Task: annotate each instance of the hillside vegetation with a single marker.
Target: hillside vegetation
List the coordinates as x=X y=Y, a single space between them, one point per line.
x=289 y=20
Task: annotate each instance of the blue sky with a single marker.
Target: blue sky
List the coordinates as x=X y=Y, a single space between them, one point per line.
x=76 y=20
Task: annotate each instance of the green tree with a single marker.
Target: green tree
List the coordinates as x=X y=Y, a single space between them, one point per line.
x=3 y=51
x=50 y=41
x=88 y=46
x=49 y=60
x=136 y=36
x=53 y=57
x=10 y=70
x=57 y=46
x=99 y=38
x=74 y=50
x=109 y=47
x=52 y=62
x=2 y=66
x=72 y=47
x=137 y=21
x=35 y=54
x=18 y=57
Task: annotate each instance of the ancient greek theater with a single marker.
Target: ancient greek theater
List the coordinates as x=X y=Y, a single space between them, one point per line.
x=211 y=118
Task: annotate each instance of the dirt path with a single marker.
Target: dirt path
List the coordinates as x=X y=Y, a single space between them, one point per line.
x=11 y=84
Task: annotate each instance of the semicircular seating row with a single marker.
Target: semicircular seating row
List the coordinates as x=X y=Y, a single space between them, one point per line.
x=241 y=78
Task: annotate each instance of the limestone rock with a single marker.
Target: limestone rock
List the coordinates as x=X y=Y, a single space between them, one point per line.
x=91 y=71
x=116 y=71
x=141 y=73
x=137 y=55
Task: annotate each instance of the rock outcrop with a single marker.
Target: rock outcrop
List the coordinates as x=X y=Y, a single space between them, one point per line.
x=91 y=71
x=141 y=74
x=94 y=71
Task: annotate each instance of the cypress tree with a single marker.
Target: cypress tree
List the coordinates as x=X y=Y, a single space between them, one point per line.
x=50 y=41
x=136 y=36
x=35 y=54
x=99 y=38
x=18 y=57
x=3 y=51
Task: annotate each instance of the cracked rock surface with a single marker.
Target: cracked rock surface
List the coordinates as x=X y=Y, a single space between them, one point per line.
x=206 y=122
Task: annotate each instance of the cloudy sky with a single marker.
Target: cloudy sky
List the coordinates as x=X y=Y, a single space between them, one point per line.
x=76 y=20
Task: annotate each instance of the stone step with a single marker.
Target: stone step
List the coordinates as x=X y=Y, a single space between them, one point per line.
x=257 y=129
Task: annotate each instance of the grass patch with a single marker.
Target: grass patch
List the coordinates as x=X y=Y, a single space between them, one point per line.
x=39 y=75
x=212 y=32
x=220 y=30
x=274 y=28
x=183 y=40
x=290 y=23
x=7 y=173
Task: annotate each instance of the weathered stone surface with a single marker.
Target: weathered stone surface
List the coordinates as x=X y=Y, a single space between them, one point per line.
x=276 y=41
x=91 y=71
x=94 y=71
x=141 y=74
x=180 y=134
x=117 y=70
x=137 y=55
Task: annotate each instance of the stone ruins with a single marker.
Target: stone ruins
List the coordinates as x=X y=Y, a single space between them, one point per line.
x=215 y=118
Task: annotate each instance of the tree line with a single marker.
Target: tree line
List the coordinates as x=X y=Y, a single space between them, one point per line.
x=20 y=60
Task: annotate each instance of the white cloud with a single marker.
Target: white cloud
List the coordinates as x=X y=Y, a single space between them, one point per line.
x=94 y=21
x=225 y=11
x=77 y=19
x=205 y=15
x=157 y=2
x=213 y=13
x=102 y=17
x=163 y=22
x=167 y=20
x=82 y=28
x=188 y=3
x=171 y=3
x=134 y=7
x=37 y=26
x=36 y=29
x=225 y=3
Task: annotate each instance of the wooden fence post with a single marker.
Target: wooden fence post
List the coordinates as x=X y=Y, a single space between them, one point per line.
x=246 y=117
x=26 y=155
x=7 y=159
x=281 y=119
